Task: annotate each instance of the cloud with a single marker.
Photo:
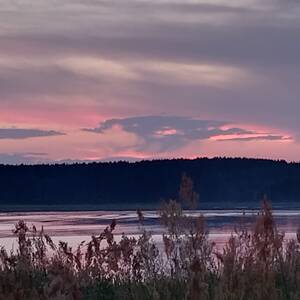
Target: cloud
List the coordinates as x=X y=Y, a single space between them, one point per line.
x=255 y=137
x=21 y=133
x=245 y=32
x=165 y=133
x=73 y=62
x=23 y=158
x=107 y=159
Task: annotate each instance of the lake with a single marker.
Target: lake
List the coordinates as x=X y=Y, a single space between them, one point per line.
x=76 y=226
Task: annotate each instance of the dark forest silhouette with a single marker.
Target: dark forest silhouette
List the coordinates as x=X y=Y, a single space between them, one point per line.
x=226 y=180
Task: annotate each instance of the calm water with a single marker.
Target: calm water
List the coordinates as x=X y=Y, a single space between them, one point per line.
x=75 y=227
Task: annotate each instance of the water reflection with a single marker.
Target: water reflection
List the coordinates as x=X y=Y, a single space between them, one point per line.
x=75 y=227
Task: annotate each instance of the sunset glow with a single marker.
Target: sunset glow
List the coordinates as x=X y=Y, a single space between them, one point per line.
x=110 y=80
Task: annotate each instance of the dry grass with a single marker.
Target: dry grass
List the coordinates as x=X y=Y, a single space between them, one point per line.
x=254 y=265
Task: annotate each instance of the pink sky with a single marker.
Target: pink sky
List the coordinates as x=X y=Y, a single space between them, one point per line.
x=149 y=79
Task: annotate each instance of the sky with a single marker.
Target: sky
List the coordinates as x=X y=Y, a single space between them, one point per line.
x=85 y=80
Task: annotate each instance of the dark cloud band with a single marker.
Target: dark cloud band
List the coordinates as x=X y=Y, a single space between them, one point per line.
x=21 y=133
x=172 y=132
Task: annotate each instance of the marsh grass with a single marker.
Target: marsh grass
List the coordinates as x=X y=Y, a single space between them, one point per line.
x=255 y=264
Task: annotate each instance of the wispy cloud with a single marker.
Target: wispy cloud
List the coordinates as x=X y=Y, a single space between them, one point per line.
x=23 y=158
x=24 y=133
x=254 y=136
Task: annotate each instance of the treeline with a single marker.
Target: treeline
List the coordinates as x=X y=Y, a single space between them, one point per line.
x=217 y=180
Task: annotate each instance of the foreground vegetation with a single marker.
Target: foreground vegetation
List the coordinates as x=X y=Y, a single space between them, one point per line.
x=256 y=263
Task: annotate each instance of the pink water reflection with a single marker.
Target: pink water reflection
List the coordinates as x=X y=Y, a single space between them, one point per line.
x=74 y=227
